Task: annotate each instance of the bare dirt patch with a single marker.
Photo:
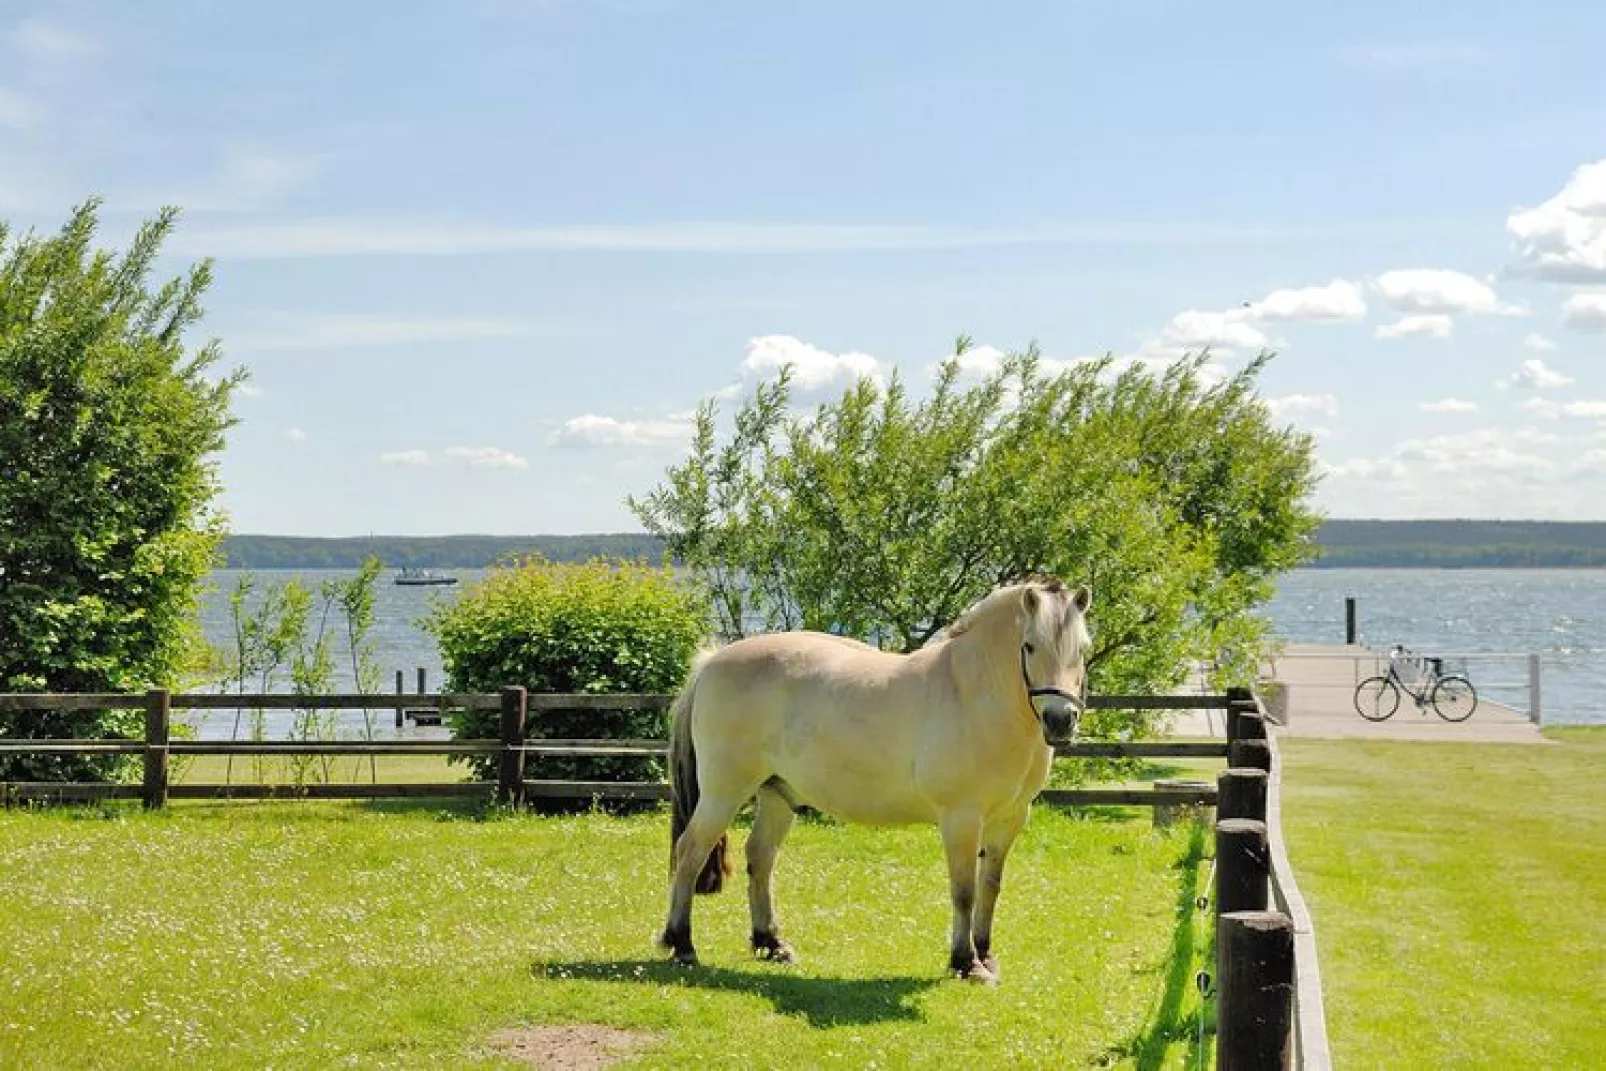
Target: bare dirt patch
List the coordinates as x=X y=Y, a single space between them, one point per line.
x=575 y=1047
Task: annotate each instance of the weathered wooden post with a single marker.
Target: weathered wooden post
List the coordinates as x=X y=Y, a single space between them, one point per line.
x=400 y=691
x=1241 y=793
x=1251 y=723
x=1350 y=629
x=1249 y=755
x=510 y=780
x=423 y=680
x=1255 y=1013
x=1243 y=866
x=158 y=712
x=1237 y=699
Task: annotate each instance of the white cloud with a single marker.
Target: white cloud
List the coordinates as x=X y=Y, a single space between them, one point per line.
x=1449 y=405
x=592 y=430
x=1295 y=404
x=1536 y=375
x=1580 y=410
x=410 y=458
x=47 y=42
x=486 y=457
x=1195 y=329
x=1535 y=341
x=1338 y=300
x=816 y=373
x=293 y=333
x=1433 y=326
x=17 y=111
x=1564 y=239
x=295 y=435
x=1439 y=290
x=1585 y=312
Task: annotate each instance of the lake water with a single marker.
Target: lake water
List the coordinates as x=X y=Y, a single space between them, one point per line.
x=1559 y=614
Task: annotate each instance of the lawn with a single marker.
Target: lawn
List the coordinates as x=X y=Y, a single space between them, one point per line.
x=1459 y=897
x=390 y=935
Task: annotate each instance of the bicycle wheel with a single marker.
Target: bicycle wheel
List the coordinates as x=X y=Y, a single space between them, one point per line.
x=1454 y=698
x=1377 y=698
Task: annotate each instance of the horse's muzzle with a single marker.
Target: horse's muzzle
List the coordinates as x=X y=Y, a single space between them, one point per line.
x=1060 y=728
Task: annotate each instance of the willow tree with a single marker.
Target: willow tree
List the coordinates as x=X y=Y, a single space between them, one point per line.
x=109 y=428
x=883 y=515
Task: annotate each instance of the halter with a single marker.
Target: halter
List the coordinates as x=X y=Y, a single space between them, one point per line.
x=1033 y=693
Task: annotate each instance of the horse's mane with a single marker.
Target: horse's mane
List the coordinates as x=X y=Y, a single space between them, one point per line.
x=1050 y=584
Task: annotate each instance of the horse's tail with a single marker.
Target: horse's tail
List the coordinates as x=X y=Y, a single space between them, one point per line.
x=683 y=782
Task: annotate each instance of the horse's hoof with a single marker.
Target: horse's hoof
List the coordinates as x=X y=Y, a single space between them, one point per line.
x=977 y=974
x=779 y=952
x=991 y=963
x=686 y=959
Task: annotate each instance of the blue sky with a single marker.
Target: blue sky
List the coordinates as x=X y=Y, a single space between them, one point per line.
x=483 y=258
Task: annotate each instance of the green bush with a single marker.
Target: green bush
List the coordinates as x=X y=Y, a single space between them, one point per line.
x=596 y=628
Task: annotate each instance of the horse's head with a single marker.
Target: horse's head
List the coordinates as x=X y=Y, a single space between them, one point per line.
x=1053 y=655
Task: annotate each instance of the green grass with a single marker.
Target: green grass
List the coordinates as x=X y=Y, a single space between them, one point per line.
x=391 y=935
x=1459 y=897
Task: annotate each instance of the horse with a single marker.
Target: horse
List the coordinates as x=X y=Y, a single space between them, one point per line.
x=959 y=733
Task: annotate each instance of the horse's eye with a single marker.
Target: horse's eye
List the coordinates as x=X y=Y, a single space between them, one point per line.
x=1030 y=649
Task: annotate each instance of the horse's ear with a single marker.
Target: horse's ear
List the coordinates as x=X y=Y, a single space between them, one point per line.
x=1030 y=599
x=1083 y=598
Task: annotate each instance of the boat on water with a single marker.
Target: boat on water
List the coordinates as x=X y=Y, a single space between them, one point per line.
x=423 y=578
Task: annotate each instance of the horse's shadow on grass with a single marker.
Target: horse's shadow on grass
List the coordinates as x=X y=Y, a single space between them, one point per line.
x=822 y=1002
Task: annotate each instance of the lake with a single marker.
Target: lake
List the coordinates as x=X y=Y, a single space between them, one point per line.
x=1558 y=613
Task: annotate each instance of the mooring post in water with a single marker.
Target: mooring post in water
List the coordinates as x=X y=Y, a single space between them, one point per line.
x=1536 y=708
x=1349 y=620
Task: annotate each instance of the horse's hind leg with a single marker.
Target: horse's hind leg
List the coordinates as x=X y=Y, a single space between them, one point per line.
x=708 y=823
x=771 y=822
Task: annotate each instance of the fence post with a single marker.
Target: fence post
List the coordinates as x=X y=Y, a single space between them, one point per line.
x=1251 y=724
x=400 y=684
x=1237 y=698
x=1243 y=866
x=1255 y=1013
x=1249 y=755
x=423 y=680
x=1350 y=630
x=1536 y=708
x=510 y=782
x=158 y=709
x=1241 y=793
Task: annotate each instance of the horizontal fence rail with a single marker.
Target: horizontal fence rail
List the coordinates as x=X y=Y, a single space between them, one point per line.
x=513 y=747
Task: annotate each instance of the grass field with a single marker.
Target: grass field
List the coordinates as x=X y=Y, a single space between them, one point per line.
x=326 y=935
x=1459 y=897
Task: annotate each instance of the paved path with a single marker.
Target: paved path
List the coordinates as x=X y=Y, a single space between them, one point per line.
x=1320 y=680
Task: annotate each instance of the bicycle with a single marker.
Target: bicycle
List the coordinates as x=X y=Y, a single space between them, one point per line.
x=1450 y=694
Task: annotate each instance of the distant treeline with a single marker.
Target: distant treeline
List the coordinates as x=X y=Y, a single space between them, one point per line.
x=1462 y=544
x=1446 y=544
x=431 y=552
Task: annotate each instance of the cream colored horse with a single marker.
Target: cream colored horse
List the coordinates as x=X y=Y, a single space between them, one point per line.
x=958 y=734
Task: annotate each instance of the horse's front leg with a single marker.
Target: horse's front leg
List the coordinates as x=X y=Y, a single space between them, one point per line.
x=997 y=837
x=961 y=838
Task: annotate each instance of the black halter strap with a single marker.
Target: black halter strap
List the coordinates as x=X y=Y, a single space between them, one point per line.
x=1033 y=693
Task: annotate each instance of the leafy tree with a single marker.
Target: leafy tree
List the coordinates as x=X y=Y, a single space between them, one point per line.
x=109 y=426
x=595 y=628
x=883 y=516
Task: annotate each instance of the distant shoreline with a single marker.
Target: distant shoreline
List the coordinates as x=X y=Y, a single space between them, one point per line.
x=1344 y=544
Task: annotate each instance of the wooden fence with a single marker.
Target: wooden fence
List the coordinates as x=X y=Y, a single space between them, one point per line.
x=1269 y=1011
x=511 y=746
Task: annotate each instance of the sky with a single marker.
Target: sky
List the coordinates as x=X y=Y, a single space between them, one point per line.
x=484 y=259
